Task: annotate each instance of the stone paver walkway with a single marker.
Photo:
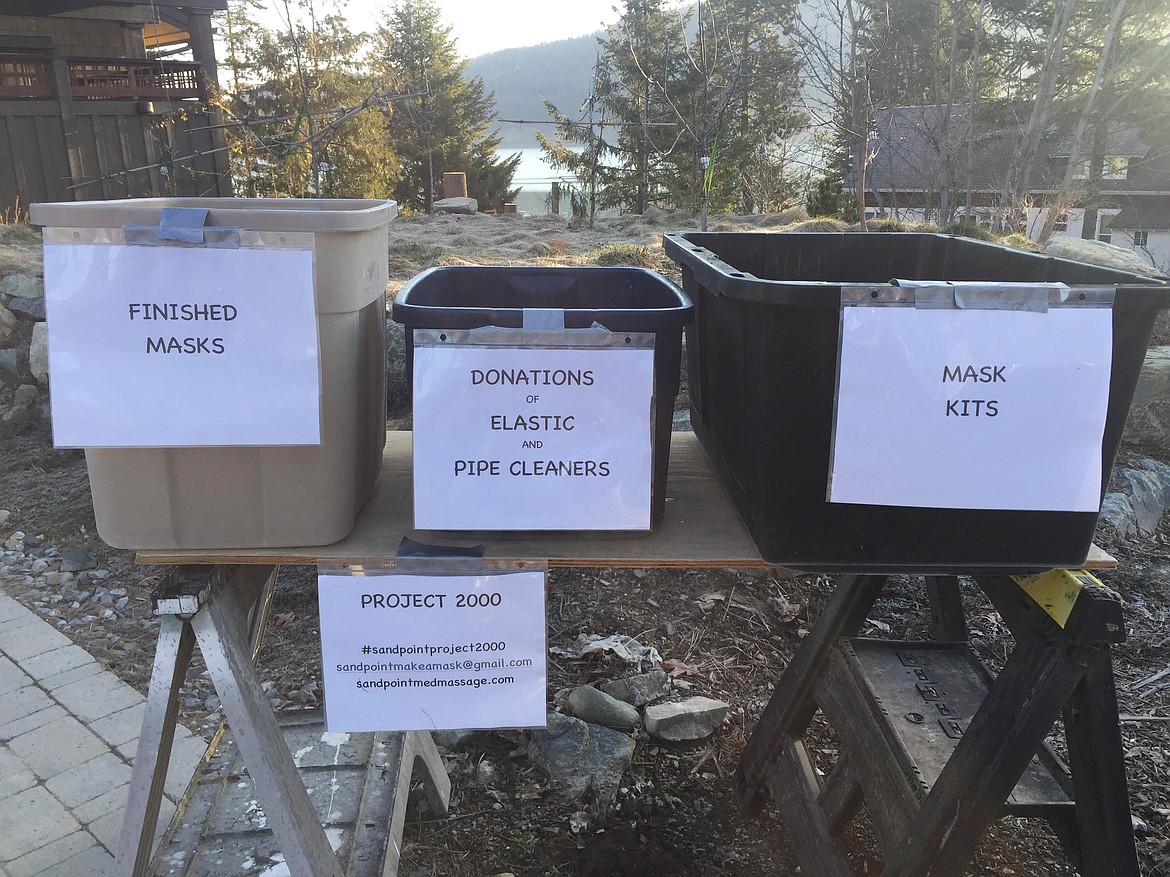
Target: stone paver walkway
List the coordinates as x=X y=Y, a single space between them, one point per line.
x=68 y=732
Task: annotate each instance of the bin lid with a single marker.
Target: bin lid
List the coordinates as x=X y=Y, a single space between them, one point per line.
x=255 y=214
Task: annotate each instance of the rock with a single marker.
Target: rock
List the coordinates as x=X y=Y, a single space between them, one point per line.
x=577 y=755
x=15 y=541
x=29 y=309
x=453 y=739
x=1097 y=253
x=38 y=352
x=26 y=394
x=1148 y=424
x=7 y=323
x=75 y=561
x=487 y=774
x=590 y=705
x=39 y=566
x=466 y=206
x=22 y=286
x=12 y=363
x=1143 y=496
x=4 y=516
x=690 y=719
x=639 y=690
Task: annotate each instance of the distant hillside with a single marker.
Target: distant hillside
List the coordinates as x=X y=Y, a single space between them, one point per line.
x=523 y=78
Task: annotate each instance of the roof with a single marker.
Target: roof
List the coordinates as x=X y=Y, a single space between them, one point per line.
x=1153 y=217
x=911 y=145
x=55 y=7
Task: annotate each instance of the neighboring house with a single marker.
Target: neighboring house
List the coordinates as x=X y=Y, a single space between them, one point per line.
x=926 y=164
x=92 y=107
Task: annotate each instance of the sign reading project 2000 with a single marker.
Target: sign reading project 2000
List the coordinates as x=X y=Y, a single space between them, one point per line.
x=532 y=439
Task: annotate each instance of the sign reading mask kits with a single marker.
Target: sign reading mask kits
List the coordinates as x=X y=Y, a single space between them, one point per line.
x=532 y=430
x=972 y=397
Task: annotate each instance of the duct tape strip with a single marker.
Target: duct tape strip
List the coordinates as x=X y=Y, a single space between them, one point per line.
x=183 y=226
x=976 y=295
x=596 y=336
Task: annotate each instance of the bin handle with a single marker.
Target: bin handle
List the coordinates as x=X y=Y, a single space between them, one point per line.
x=183 y=226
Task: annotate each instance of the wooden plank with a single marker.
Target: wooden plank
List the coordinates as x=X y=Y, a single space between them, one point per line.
x=891 y=783
x=55 y=158
x=793 y=781
x=791 y=706
x=841 y=795
x=988 y=761
x=1095 y=754
x=220 y=628
x=946 y=607
x=176 y=642
x=700 y=527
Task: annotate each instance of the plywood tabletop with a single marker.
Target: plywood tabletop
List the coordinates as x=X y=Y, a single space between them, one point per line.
x=700 y=528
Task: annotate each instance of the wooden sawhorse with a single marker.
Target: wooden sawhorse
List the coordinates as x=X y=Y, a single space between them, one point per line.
x=210 y=606
x=938 y=753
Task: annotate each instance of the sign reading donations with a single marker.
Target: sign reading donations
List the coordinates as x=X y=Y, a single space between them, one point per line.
x=513 y=438
x=428 y=653
x=181 y=346
x=972 y=409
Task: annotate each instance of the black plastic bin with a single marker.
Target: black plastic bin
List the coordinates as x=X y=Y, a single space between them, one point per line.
x=620 y=299
x=762 y=367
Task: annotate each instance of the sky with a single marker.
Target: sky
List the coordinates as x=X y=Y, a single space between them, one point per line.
x=482 y=26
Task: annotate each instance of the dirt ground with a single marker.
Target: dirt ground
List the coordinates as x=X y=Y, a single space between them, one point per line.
x=674 y=814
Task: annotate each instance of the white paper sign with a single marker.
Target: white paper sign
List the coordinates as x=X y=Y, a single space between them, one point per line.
x=532 y=439
x=175 y=346
x=428 y=653
x=972 y=409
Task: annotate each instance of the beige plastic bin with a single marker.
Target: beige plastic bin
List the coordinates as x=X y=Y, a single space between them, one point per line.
x=261 y=497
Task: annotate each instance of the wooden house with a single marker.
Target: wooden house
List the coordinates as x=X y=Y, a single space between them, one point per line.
x=93 y=104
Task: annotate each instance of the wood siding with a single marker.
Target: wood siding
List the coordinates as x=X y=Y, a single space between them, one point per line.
x=112 y=151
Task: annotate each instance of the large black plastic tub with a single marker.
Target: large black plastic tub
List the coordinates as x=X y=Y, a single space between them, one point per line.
x=762 y=367
x=620 y=299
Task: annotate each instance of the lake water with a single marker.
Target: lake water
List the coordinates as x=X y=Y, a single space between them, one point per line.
x=534 y=178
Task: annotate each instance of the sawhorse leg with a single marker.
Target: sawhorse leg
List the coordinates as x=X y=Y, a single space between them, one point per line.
x=216 y=617
x=791 y=706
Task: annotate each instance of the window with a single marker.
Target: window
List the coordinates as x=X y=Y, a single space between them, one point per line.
x=1116 y=167
x=1061 y=222
x=1141 y=239
x=1105 y=237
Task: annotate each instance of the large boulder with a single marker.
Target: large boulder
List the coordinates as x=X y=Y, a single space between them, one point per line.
x=1141 y=497
x=577 y=755
x=22 y=286
x=466 y=206
x=7 y=323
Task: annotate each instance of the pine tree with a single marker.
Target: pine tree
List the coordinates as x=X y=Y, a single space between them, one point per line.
x=443 y=122
x=308 y=117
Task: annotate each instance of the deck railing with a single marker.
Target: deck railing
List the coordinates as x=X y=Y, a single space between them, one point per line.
x=101 y=79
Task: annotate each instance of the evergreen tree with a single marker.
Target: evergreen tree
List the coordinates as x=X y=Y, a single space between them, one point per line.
x=443 y=121
x=663 y=103
x=308 y=117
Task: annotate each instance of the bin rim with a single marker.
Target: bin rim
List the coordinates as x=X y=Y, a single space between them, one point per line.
x=722 y=278
x=317 y=215
x=418 y=316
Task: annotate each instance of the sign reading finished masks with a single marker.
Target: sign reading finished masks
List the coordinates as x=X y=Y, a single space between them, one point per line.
x=167 y=346
x=532 y=438
x=972 y=408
